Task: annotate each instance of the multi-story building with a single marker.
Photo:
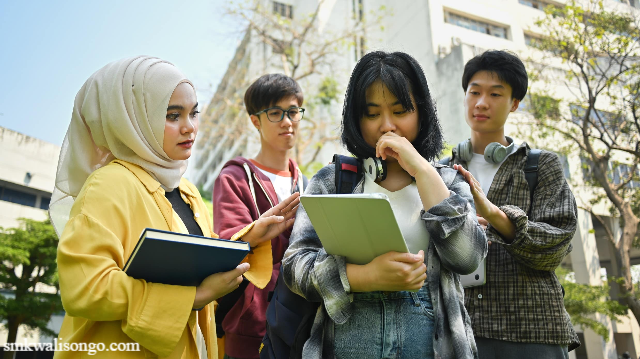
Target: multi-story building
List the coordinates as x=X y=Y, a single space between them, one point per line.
x=442 y=36
x=27 y=176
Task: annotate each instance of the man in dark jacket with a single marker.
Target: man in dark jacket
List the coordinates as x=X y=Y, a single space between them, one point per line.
x=245 y=189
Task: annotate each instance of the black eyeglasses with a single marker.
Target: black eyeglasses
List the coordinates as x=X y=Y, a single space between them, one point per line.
x=276 y=114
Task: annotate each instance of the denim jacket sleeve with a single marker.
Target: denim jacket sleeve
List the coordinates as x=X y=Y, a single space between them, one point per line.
x=453 y=226
x=307 y=268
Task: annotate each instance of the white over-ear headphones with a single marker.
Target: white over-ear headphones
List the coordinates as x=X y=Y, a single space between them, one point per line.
x=494 y=152
x=375 y=168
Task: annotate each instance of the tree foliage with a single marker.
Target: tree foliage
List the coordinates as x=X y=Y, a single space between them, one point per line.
x=27 y=262
x=307 y=51
x=585 y=89
x=583 y=301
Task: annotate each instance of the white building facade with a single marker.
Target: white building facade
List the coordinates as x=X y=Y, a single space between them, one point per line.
x=442 y=36
x=27 y=175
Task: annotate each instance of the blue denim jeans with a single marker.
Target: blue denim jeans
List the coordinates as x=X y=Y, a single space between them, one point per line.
x=387 y=325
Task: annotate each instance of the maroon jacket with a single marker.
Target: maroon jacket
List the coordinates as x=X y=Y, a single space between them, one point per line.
x=234 y=208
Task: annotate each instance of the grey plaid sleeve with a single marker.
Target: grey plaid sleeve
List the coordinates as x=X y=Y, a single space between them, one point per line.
x=453 y=227
x=543 y=240
x=307 y=268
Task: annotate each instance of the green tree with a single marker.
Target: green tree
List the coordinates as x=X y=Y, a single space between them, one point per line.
x=27 y=261
x=598 y=115
x=583 y=301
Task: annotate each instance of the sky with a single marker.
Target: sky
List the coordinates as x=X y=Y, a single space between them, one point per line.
x=48 y=49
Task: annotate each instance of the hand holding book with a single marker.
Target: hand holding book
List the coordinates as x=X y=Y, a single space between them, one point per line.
x=218 y=285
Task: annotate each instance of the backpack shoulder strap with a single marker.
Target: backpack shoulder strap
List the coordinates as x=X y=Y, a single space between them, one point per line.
x=531 y=172
x=348 y=173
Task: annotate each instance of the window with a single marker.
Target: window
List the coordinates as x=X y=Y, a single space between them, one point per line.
x=26 y=196
x=278 y=46
x=19 y=197
x=530 y=40
x=358 y=47
x=44 y=202
x=540 y=106
x=602 y=120
x=564 y=160
x=283 y=10
x=616 y=173
x=536 y=4
x=357 y=10
x=476 y=25
x=632 y=3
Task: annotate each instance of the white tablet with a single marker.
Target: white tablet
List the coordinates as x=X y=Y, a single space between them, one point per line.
x=358 y=227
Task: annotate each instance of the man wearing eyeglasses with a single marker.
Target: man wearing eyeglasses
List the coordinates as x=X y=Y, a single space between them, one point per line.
x=244 y=190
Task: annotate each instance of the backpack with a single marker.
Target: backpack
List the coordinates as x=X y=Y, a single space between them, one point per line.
x=290 y=316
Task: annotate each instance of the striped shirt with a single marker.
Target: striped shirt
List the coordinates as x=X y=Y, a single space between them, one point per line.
x=522 y=299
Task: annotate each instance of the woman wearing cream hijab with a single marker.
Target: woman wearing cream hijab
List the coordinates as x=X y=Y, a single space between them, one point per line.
x=120 y=171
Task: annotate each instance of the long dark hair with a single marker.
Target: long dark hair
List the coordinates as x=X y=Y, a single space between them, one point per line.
x=404 y=77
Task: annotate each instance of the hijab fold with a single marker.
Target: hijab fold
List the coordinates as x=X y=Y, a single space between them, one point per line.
x=119 y=113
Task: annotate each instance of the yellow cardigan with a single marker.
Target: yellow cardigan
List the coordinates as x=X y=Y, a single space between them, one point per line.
x=102 y=303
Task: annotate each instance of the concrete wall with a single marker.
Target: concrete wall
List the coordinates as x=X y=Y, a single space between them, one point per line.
x=22 y=154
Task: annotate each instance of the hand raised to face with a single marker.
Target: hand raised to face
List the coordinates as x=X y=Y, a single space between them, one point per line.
x=399 y=148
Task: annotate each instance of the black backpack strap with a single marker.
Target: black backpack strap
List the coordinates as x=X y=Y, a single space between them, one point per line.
x=531 y=172
x=348 y=173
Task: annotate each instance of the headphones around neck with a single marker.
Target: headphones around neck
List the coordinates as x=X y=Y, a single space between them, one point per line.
x=375 y=168
x=494 y=152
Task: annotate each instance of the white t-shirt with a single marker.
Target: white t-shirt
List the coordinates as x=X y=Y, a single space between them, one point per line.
x=406 y=205
x=484 y=171
x=282 y=181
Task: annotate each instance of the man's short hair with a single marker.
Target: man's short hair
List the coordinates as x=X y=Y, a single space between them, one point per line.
x=506 y=65
x=266 y=91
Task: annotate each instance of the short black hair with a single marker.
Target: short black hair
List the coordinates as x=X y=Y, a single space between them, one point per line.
x=404 y=77
x=505 y=64
x=267 y=90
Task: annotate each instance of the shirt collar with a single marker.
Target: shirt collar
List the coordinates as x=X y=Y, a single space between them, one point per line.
x=150 y=183
x=147 y=180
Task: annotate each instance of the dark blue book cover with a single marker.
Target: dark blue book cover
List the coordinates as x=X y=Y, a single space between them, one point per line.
x=182 y=259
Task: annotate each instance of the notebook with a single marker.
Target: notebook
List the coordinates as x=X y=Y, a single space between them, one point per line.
x=182 y=259
x=358 y=227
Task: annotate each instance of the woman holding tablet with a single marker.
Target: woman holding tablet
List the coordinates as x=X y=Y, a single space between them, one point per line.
x=120 y=171
x=400 y=305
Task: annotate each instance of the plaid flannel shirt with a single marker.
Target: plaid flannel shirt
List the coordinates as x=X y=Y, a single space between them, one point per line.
x=457 y=245
x=522 y=299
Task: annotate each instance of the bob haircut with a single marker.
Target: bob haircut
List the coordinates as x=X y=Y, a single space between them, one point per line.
x=403 y=76
x=267 y=90
x=506 y=65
